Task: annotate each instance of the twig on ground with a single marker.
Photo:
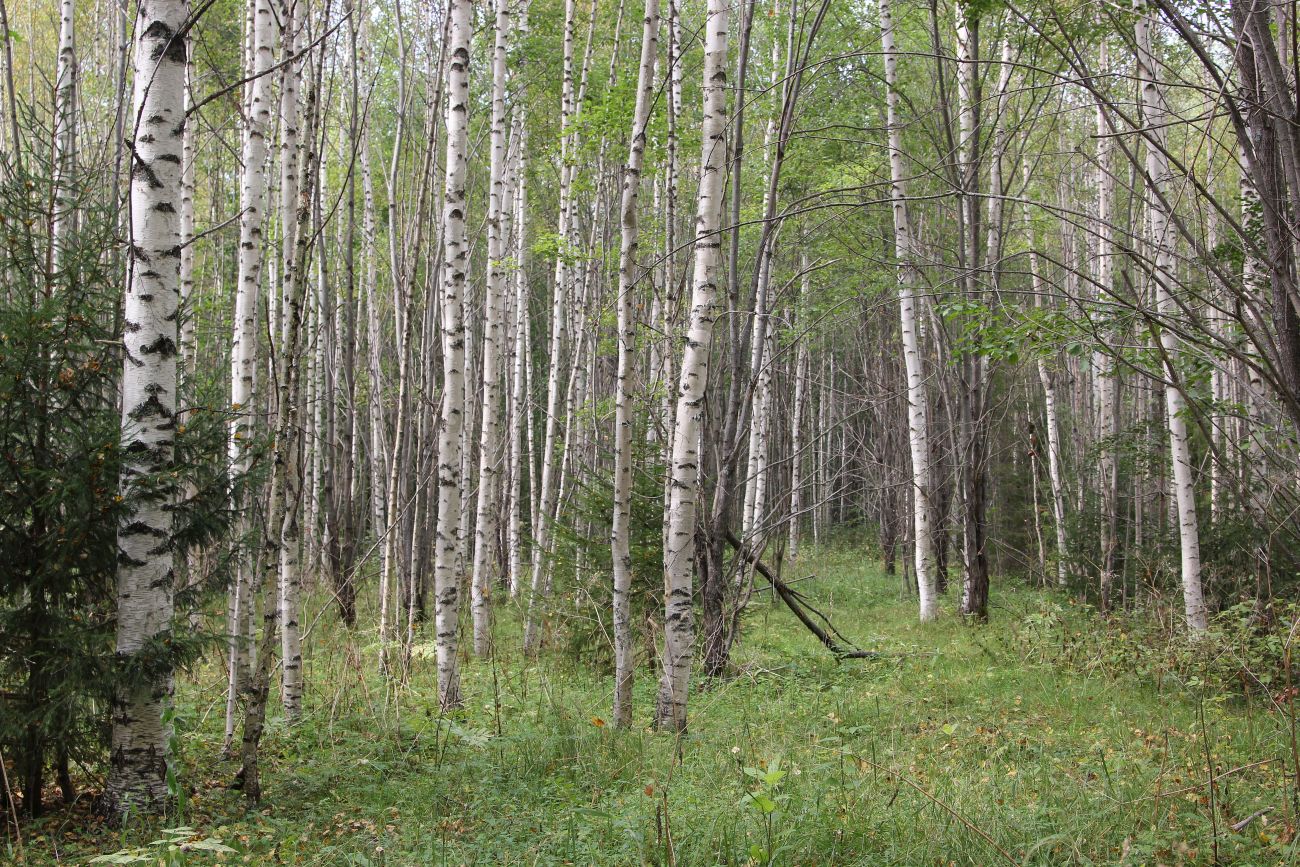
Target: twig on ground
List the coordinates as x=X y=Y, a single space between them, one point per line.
x=1241 y=826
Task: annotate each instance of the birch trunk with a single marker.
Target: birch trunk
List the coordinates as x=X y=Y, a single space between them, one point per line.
x=559 y=315
x=760 y=368
x=252 y=195
x=972 y=423
x=141 y=740
x=519 y=413
x=188 y=156
x=629 y=274
x=450 y=435
x=1048 y=380
x=489 y=467
x=797 y=425
x=281 y=543
x=290 y=576
x=1154 y=114
x=1106 y=384
x=679 y=548
x=908 y=281
x=63 y=218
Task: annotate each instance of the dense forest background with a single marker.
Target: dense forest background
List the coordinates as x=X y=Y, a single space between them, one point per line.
x=561 y=331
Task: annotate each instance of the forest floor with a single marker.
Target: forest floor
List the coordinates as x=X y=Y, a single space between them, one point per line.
x=1041 y=738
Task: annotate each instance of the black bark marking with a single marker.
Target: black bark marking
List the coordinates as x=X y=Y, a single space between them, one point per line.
x=163 y=346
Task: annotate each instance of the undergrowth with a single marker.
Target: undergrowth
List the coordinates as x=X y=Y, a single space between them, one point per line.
x=1046 y=737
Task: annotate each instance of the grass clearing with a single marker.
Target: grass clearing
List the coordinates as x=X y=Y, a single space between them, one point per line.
x=959 y=745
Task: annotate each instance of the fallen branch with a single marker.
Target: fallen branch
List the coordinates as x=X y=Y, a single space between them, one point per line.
x=1241 y=826
x=800 y=609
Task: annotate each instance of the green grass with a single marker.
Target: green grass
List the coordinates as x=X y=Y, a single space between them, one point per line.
x=1030 y=730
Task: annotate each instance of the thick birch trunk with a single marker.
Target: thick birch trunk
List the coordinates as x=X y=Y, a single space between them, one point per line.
x=140 y=740
x=450 y=434
x=629 y=273
x=1154 y=114
x=908 y=281
x=679 y=549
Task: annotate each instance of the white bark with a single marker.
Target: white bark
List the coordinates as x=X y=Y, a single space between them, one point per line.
x=243 y=373
x=559 y=315
x=1154 y=114
x=140 y=741
x=1105 y=381
x=679 y=547
x=797 y=424
x=290 y=575
x=519 y=422
x=1220 y=380
x=489 y=466
x=1047 y=377
x=629 y=273
x=908 y=280
x=755 y=482
x=450 y=433
x=65 y=131
x=188 y=156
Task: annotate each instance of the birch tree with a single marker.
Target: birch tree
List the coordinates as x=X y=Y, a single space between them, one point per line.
x=455 y=263
x=141 y=750
x=569 y=102
x=63 y=218
x=1154 y=115
x=243 y=355
x=489 y=467
x=908 y=280
x=290 y=575
x=1105 y=382
x=629 y=274
x=679 y=546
